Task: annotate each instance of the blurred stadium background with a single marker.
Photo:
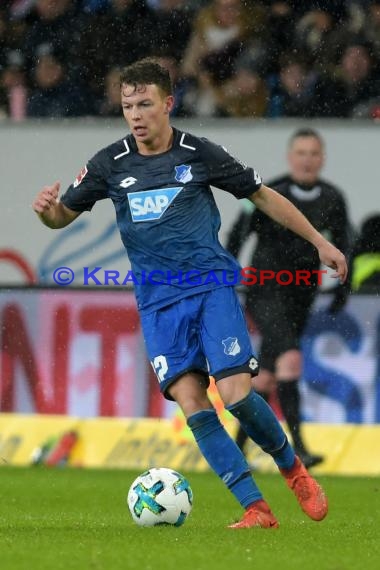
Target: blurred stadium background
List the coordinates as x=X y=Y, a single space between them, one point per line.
x=246 y=74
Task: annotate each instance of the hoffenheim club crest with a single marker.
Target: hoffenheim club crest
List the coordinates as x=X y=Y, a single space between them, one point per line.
x=231 y=346
x=183 y=173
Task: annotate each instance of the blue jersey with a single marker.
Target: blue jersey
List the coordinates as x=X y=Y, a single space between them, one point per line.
x=166 y=213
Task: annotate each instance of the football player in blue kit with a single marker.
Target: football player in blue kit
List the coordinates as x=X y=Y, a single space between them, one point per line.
x=159 y=180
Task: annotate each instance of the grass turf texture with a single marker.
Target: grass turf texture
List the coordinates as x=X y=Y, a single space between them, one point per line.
x=78 y=519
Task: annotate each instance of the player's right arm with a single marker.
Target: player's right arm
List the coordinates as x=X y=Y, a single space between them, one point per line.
x=51 y=212
x=89 y=186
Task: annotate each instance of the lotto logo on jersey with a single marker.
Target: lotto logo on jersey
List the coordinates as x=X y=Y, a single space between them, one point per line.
x=150 y=205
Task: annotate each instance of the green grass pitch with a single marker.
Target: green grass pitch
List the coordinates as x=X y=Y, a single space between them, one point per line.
x=78 y=519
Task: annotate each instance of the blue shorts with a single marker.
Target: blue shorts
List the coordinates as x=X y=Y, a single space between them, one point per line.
x=204 y=333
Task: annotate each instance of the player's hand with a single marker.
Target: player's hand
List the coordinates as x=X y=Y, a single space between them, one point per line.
x=333 y=258
x=47 y=198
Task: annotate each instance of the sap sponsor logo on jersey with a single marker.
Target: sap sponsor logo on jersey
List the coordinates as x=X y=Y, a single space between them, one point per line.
x=80 y=176
x=183 y=173
x=150 y=205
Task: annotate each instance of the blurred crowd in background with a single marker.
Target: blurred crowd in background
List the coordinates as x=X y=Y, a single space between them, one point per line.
x=227 y=58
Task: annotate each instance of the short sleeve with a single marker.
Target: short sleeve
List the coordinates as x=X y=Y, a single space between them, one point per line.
x=228 y=173
x=88 y=187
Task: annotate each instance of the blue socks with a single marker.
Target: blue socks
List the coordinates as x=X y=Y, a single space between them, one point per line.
x=224 y=456
x=261 y=425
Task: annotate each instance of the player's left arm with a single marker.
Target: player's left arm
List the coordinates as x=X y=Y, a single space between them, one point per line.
x=285 y=213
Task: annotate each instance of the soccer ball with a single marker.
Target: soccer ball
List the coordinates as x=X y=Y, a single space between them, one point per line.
x=160 y=496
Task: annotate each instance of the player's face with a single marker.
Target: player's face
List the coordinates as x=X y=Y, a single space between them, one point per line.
x=305 y=158
x=146 y=110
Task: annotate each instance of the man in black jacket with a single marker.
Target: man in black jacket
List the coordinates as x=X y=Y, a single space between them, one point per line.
x=280 y=312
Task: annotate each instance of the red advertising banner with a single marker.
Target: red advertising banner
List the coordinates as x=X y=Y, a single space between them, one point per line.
x=74 y=352
x=81 y=353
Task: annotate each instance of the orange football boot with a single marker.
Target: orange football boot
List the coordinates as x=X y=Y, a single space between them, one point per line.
x=309 y=493
x=258 y=514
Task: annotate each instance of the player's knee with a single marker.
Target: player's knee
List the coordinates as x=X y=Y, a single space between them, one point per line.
x=234 y=388
x=190 y=393
x=289 y=364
